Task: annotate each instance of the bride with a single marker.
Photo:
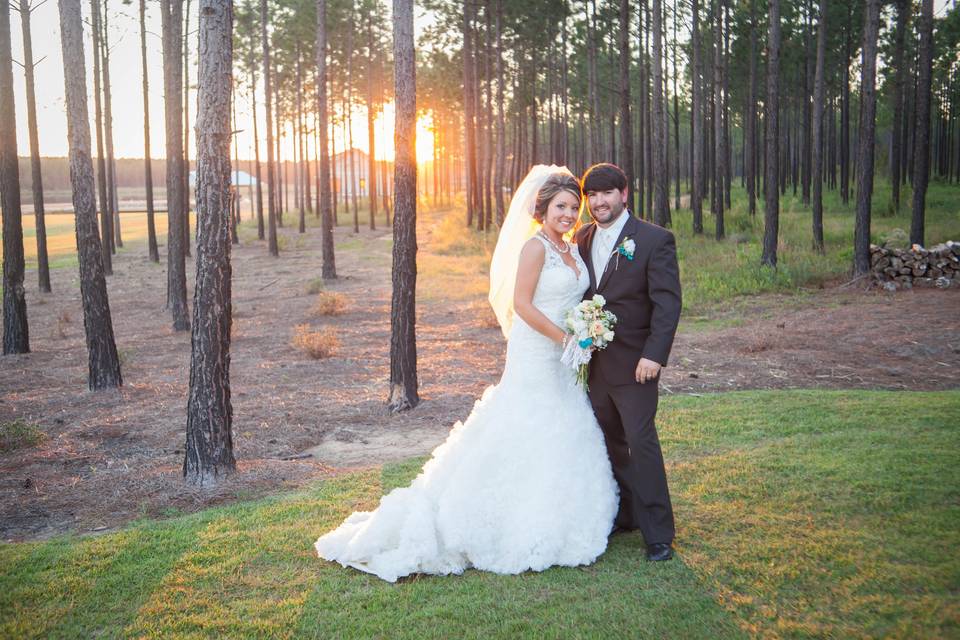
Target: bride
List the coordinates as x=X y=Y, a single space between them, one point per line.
x=524 y=482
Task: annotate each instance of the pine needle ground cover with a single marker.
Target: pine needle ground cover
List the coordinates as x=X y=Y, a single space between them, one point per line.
x=800 y=514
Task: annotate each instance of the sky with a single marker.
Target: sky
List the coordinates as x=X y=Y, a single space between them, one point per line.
x=125 y=71
x=126 y=87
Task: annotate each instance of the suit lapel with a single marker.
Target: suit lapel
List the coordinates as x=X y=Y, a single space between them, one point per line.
x=586 y=252
x=629 y=229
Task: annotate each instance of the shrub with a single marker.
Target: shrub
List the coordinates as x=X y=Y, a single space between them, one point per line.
x=63 y=319
x=18 y=435
x=329 y=304
x=316 y=344
x=315 y=286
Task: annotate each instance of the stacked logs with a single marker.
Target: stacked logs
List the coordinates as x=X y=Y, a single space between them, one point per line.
x=937 y=266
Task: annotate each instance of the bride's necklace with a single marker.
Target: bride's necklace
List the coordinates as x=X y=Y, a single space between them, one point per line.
x=566 y=247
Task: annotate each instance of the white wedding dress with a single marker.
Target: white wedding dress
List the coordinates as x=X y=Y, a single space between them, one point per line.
x=523 y=483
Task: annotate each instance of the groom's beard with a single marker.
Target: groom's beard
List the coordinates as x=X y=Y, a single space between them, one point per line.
x=603 y=218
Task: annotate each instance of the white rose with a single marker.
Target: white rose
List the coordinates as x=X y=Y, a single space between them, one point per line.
x=629 y=245
x=599 y=300
x=608 y=336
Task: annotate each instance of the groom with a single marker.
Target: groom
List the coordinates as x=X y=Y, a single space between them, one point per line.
x=633 y=265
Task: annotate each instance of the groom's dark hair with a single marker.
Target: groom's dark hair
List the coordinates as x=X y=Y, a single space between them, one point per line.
x=603 y=177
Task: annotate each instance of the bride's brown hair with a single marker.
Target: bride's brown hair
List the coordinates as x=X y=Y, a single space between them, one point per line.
x=556 y=183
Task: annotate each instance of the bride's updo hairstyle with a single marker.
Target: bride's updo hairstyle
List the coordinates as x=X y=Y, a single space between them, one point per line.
x=556 y=183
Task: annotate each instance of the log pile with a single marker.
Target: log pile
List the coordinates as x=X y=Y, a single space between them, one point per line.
x=937 y=266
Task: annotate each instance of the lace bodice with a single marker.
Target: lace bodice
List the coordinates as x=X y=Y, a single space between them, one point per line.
x=559 y=289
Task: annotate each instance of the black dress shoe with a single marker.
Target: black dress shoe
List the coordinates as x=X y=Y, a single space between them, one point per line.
x=659 y=551
x=617 y=529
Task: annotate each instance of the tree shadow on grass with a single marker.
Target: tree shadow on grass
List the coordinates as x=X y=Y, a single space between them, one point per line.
x=620 y=595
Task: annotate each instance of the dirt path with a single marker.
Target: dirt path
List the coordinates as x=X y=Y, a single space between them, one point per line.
x=110 y=457
x=836 y=339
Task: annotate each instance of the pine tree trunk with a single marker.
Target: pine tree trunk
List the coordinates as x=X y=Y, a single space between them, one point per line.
x=488 y=120
x=772 y=118
x=676 y=109
x=209 y=447
x=352 y=160
x=725 y=70
x=534 y=116
x=306 y=134
x=329 y=269
x=921 y=169
x=469 y=123
x=613 y=108
x=845 y=115
x=626 y=128
x=661 y=204
x=116 y=241
x=806 y=137
x=272 y=246
x=297 y=202
x=640 y=138
x=750 y=119
x=43 y=262
x=818 y=104
x=301 y=181
x=235 y=182
x=480 y=109
x=106 y=222
x=147 y=162
x=403 y=344
x=501 y=128
x=185 y=226
x=280 y=167
x=261 y=234
x=832 y=144
x=719 y=169
x=103 y=363
x=593 y=93
x=348 y=110
x=371 y=139
x=564 y=87
x=867 y=128
x=649 y=156
x=316 y=162
x=696 y=129
x=716 y=202
x=176 y=170
x=16 y=334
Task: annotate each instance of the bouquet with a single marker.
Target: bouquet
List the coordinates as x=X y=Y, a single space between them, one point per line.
x=591 y=328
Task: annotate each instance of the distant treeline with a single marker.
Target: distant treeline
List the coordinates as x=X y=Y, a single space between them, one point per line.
x=56 y=173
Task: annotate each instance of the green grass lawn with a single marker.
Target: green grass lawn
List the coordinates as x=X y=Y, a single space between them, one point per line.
x=718 y=274
x=800 y=514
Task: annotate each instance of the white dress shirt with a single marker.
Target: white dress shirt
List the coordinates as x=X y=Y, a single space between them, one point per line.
x=604 y=243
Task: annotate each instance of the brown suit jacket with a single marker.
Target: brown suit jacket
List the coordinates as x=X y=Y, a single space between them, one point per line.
x=644 y=294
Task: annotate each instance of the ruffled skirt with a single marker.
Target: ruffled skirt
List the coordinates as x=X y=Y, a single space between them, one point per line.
x=524 y=483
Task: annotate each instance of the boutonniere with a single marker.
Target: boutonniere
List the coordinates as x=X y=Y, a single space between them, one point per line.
x=625 y=249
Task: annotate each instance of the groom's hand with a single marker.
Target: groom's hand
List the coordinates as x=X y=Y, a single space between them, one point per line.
x=647 y=370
